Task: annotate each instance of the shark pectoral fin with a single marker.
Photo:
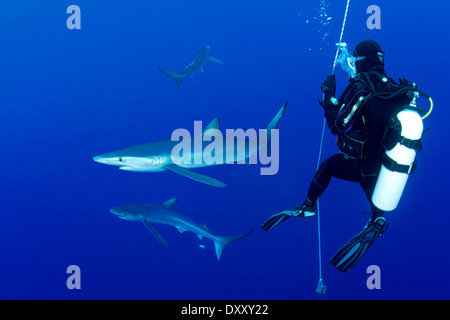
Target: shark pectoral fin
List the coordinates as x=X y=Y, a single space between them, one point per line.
x=194 y=176
x=181 y=230
x=189 y=66
x=200 y=236
x=155 y=233
x=215 y=60
x=126 y=168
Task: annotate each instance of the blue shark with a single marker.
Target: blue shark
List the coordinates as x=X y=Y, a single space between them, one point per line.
x=202 y=57
x=157 y=156
x=165 y=213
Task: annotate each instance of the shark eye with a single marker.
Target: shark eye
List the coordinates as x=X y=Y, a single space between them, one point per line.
x=120 y=159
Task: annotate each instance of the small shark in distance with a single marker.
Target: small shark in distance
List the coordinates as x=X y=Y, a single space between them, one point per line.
x=202 y=57
x=166 y=213
x=157 y=156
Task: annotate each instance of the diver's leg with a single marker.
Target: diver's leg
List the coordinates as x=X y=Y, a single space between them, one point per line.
x=335 y=166
x=368 y=185
x=321 y=179
x=352 y=252
x=308 y=208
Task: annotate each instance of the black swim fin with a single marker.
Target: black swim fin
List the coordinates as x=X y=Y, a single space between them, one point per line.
x=350 y=254
x=276 y=219
x=305 y=211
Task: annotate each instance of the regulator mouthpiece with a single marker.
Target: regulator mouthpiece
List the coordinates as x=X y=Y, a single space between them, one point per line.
x=346 y=60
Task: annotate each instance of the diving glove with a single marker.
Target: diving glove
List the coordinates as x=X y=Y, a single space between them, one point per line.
x=329 y=87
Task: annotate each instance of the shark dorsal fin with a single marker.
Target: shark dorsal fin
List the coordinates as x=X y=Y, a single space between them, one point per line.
x=214 y=124
x=170 y=203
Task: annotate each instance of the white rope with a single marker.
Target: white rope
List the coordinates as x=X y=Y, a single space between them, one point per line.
x=340 y=37
x=320 y=284
x=320 y=287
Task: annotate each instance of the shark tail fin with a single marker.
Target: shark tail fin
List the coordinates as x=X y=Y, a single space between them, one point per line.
x=273 y=124
x=222 y=241
x=276 y=120
x=173 y=75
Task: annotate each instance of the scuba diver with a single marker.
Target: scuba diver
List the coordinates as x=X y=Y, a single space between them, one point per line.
x=361 y=118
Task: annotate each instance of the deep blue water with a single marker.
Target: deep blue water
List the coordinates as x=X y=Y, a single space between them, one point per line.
x=68 y=95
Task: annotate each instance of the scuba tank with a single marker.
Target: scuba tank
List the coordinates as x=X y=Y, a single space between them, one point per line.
x=399 y=160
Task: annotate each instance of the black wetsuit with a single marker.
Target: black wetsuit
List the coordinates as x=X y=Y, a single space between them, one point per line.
x=374 y=116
